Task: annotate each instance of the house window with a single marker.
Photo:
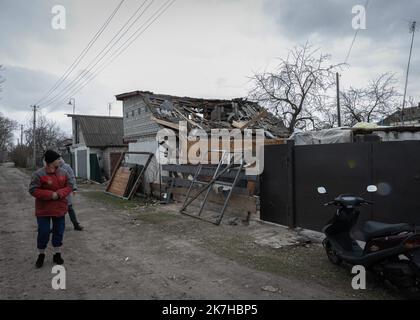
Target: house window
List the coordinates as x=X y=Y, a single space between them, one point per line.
x=132 y=113
x=139 y=111
x=126 y=115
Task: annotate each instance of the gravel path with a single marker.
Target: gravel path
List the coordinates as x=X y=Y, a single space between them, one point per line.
x=150 y=252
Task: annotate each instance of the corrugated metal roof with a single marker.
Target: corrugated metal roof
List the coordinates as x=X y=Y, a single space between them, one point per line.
x=101 y=131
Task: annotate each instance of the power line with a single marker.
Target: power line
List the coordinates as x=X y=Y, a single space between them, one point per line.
x=118 y=52
x=82 y=54
x=111 y=44
x=121 y=49
x=413 y=30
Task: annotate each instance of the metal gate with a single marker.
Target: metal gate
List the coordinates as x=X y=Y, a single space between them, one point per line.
x=396 y=172
x=276 y=185
x=82 y=164
x=289 y=196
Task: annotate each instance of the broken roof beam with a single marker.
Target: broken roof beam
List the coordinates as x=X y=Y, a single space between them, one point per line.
x=191 y=122
x=166 y=123
x=243 y=125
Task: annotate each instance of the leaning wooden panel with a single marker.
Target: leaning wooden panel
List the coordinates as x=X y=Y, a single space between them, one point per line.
x=120 y=181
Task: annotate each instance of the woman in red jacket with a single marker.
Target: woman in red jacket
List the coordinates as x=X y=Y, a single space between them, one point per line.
x=50 y=186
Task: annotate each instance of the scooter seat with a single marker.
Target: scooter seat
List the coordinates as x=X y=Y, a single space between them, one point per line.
x=374 y=229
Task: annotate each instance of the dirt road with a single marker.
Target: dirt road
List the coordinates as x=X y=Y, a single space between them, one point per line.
x=132 y=251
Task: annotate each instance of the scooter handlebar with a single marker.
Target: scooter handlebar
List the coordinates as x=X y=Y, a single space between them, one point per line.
x=335 y=202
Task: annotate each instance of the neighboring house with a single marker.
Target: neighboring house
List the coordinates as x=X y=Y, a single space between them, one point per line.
x=97 y=145
x=411 y=117
x=64 y=149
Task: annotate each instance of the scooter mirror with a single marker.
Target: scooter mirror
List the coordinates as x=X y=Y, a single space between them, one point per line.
x=322 y=190
x=372 y=188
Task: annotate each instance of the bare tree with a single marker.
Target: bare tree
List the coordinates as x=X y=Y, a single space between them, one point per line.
x=327 y=117
x=48 y=135
x=372 y=103
x=297 y=87
x=7 y=126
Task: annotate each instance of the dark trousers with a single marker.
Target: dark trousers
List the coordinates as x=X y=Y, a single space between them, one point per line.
x=44 y=230
x=72 y=215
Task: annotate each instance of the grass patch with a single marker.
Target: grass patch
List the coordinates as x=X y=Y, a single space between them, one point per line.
x=156 y=217
x=116 y=202
x=304 y=263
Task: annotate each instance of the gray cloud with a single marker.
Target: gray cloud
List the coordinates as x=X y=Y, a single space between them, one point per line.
x=23 y=23
x=21 y=86
x=386 y=19
x=381 y=47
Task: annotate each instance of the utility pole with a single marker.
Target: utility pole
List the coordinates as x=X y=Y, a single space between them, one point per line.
x=338 y=100
x=412 y=30
x=21 y=134
x=72 y=102
x=34 y=138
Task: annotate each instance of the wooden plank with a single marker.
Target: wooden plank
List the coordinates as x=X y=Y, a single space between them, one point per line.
x=118 y=184
x=268 y=142
x=165 y=123
x=238 y=124
x=207 y=170
x=194 y=124
x=120 y=181
x=115 y=170
x=257 y=117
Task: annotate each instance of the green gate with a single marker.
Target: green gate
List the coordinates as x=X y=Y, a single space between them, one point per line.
x=95 y=170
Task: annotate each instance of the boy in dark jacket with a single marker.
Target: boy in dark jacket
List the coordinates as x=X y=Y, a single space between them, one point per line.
x=72 y=213
x=50 y=186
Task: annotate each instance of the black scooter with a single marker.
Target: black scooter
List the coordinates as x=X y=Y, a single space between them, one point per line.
x=392 y=251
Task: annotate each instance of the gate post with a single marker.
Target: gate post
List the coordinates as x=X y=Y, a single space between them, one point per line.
x=291 y=212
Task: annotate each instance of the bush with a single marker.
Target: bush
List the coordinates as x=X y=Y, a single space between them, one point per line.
x=19 y=156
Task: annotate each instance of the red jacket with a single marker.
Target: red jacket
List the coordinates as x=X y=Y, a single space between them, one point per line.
x=44 y=183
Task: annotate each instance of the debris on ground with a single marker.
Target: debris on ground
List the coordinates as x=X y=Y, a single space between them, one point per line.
x=270 y=289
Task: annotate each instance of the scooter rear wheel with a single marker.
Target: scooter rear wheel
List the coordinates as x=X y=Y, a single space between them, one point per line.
x=332 y=254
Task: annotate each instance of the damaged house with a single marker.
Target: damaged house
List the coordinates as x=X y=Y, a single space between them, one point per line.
x=145 y=113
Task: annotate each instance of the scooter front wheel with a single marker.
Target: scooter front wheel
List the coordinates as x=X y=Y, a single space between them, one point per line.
x=331 y=253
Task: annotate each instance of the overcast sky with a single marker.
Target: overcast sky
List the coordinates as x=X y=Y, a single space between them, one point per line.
x=198 y=48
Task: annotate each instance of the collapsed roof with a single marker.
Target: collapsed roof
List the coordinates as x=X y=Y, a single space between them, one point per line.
x=209 y=114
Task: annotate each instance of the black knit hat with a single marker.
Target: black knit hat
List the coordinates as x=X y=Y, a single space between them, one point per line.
x=50 y=156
